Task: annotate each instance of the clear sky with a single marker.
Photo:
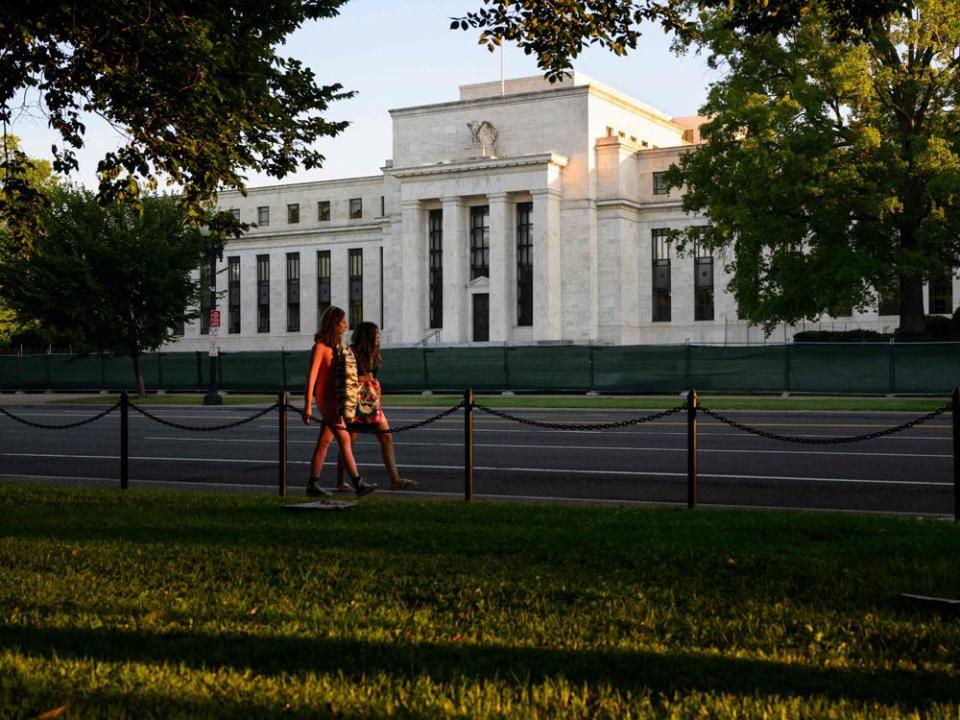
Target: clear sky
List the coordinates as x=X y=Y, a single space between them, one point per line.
x=398 y=54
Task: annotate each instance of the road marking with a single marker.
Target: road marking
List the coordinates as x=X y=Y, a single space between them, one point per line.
x=496 y=496
x=486 y=468
x=407 y=443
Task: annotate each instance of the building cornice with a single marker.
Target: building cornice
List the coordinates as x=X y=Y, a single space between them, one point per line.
x=527 y=97
x=335 y=230
x=461 y=166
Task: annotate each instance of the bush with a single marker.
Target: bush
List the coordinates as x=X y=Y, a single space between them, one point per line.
x=940 y=328
x=841 y=336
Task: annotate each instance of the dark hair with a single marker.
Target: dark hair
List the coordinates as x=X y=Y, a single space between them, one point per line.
x=366 y=348
x=327 y=327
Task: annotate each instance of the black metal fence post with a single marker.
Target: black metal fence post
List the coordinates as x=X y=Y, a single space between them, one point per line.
x=955 y=402
x=468 y=445
x=282 y=477
x=124 y=440
x=692 y=489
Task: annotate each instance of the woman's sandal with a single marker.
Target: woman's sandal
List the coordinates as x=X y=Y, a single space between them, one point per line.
x=403 y=484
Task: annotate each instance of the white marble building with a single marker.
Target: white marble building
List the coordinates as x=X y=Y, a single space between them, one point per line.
x=530 y=216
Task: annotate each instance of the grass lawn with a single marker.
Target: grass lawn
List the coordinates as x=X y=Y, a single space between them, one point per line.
x=163 y=605
x=632 y=402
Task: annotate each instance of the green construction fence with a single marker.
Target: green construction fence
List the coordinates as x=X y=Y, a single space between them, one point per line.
x=827 y=368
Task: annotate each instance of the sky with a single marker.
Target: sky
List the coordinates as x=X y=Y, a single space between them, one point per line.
x=401 y=54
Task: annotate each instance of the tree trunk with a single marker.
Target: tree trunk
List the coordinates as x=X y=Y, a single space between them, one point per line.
x=138 y=372
x=911 y=304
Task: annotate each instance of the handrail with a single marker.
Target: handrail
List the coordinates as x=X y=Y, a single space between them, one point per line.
x=435 y=333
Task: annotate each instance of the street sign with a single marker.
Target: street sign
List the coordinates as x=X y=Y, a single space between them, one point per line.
x=214 y=318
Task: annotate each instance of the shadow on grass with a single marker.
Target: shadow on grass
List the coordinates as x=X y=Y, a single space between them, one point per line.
x=626 y=670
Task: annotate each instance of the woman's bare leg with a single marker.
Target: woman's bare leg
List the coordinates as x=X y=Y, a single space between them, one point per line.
x=386 y=452
x=320 y=451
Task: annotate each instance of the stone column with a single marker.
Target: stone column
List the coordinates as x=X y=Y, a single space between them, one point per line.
x=456 y=263
x=546 y=265
x=501 y=270
x=413 y=262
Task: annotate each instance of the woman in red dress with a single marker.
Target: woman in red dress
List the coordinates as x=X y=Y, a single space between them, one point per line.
x=327 y=361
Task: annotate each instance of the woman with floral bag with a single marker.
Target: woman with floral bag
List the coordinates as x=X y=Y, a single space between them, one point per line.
x=369 y=413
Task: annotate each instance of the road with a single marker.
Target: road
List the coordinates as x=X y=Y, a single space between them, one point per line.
x=909 y=472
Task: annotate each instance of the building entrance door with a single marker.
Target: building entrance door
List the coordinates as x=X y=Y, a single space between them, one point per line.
x=481 y=317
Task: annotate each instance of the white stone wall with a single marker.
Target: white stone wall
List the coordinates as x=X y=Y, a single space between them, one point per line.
x=582 y=153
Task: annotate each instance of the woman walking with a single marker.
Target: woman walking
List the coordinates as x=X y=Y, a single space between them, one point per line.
x=366 y=350
x=331 y=381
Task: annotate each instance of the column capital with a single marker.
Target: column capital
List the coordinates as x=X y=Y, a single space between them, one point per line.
x=410 y=204
x=545 y=192
x=498 y=197
x=456 y=200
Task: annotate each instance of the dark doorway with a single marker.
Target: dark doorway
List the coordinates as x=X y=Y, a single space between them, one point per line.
x=481 y=317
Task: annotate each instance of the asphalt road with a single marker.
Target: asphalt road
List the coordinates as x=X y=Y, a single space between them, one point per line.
x=910 y=472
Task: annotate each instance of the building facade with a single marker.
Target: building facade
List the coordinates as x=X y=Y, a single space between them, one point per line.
x=522 y=213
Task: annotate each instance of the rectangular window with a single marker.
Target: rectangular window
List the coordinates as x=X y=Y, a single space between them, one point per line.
x=293 y=292
x=702 y=283
x=263 y=216
x=356 y=208
x=940 y=290
x=435 y=240
x=661 y=275
x=263 y=293
x=323 y=210
x=205 y=299
x=293 y=213
x=524 y=264
x=383 y=206
x=235 y=212
x=356 y=287
x=479 y=242
x=233 y=295
x=178 y=328
x=323 y=281
x=660 y=184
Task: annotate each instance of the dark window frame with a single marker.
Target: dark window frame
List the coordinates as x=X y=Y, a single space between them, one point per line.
x=524 y=264
x=263 y=292
x=324 y=271
x=293 y=213
x=293 y=292
x=435 y=266
x=660 y=186
x=233 y=295
x=323 y=210
x=263 y=215
x=703 y=292
x=479 y=241
x=355 y=272
x=940 y=294
x=356 y=208
x=662 y=304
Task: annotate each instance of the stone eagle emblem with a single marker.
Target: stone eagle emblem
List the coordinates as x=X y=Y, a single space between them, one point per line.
x=484 y=134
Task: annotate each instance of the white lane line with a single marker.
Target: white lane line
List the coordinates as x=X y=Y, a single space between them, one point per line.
x=492 y=496
x=604 y=448
x=490 y=468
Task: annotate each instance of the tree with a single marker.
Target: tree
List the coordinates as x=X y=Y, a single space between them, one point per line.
x=35 y=182
x=831 y=166
x=196 y=86
x=556 y=31
x=114 y=278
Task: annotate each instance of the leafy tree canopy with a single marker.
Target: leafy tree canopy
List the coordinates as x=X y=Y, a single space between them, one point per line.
x=114 y=278
x=196 y=87
x=556 y=31
x=831 y=166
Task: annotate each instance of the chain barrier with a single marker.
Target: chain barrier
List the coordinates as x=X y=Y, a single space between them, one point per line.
x=582 y=426
x=67 y=426
x=823 y=440
x=368 y=430
x=210 y=428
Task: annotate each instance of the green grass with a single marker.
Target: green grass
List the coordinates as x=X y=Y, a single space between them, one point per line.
x=145 y=604
x=633 y=402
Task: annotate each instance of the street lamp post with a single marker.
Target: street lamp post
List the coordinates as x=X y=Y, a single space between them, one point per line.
x=213 y=396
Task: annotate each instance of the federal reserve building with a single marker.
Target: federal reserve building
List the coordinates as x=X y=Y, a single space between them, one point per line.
x=522 y=212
